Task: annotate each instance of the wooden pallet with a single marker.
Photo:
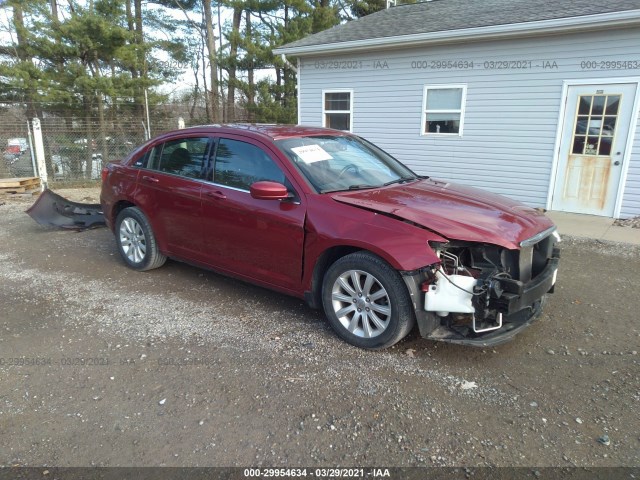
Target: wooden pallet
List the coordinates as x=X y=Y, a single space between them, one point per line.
x=19 y=192
x=29 y=186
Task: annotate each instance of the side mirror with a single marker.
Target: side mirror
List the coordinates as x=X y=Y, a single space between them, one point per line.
x=268 y=191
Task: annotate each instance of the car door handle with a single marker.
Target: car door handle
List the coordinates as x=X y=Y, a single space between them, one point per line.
x=147 y=178
x=217 y=195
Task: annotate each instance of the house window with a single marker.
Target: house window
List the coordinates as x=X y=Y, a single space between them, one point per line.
x=443 y=109
x=337 y=109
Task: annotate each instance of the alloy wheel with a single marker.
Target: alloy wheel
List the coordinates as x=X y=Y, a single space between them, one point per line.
x=361 y=303
x=132 y=240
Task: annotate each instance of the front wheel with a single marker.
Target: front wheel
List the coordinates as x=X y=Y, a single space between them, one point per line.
x=366 y=301
x=136 y=242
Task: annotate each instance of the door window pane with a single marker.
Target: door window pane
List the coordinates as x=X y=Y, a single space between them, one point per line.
x=153 y=163
x=240 y=164
x=609 y=126
x=605 y=146
x=578 y=145
x=595 y=125
x=185 y=157
x=584 y=105
x=613 y=102
x=598 y=104
x=591 y=148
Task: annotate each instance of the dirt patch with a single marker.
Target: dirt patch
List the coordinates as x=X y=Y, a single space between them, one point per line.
x=104 y=366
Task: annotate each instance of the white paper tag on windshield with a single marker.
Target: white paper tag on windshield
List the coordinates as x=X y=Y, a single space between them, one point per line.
x=311 y=153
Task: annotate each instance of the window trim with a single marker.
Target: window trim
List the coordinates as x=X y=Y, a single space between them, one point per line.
x=350 y=111
x=461 y=110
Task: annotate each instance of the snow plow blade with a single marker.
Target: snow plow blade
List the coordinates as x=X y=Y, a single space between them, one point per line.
x=52 y=210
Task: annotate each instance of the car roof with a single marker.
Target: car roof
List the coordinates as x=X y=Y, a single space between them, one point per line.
x=270 y=131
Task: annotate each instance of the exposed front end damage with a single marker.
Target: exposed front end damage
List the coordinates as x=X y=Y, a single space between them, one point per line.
x=483 y=294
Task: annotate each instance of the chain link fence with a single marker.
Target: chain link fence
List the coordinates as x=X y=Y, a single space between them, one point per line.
x=17 y=159
x=75 y=149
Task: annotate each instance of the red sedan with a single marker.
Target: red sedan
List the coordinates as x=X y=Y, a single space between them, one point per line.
x=329 y=217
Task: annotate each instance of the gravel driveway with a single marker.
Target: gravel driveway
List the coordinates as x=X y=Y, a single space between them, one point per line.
x=101 y=365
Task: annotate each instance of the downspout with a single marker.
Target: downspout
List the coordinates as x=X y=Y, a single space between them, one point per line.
x=288 y=63
x=299 y=95
x=295 y=69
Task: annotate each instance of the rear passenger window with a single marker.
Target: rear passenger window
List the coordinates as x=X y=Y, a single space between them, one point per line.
x=186 y=157
x=239 y=164
x=143 y=161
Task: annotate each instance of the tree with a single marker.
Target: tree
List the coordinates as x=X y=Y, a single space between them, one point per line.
x=19 y=74
x=205 y=33
x=213 y=63
x=230 y=61
x=361 y=8
x=257 y=27
x=324 y=15
x=83 y=60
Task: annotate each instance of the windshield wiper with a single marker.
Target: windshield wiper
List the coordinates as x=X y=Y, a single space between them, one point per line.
x=364 y=186
x=399 y=180
x=360 y=186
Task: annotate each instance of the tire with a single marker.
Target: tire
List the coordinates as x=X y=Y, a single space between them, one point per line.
x=367 y=302
x=136 y=242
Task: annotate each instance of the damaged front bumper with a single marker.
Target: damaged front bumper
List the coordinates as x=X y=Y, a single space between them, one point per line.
x=520 y=311
x=52 y=210
x=495 y=317
x=511 y=326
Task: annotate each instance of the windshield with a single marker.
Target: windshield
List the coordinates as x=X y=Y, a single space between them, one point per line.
x=332 y=163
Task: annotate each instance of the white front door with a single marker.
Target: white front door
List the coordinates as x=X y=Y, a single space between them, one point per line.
x=594 y=135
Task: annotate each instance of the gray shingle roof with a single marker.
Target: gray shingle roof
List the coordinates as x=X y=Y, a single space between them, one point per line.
x=445 y=15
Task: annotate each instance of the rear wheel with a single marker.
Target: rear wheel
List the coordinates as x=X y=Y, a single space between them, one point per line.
x=136 y=242
x=366 y=301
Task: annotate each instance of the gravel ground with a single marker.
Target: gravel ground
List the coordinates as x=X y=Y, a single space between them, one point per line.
x=629 y=222
x=104 y=366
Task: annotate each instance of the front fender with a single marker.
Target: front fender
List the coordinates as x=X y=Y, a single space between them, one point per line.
x=403 y=245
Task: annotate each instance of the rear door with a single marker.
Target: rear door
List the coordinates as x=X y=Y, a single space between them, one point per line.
x=258 y=239
x=169 y=193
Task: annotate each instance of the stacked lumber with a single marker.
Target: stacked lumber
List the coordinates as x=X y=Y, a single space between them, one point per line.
x=20 y=186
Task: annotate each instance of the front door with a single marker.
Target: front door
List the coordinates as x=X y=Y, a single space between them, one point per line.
x=258 y=239
x=592 y=148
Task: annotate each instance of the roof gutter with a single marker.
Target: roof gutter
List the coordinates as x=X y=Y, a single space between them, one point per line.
x=600 y=21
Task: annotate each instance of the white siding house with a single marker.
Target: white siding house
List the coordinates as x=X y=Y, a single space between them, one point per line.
x=535 y=100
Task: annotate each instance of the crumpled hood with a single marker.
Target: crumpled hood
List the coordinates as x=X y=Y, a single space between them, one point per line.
x=454 y=211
